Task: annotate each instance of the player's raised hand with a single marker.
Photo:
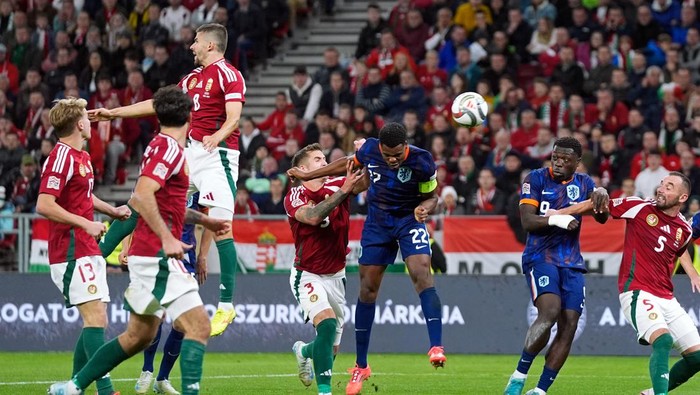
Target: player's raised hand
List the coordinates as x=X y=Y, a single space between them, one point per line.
x=297 y=173
x=421 y=214
x=95 y=229
x=351 y=177
x=600 y=200
x=100 y=114
x=122 y=212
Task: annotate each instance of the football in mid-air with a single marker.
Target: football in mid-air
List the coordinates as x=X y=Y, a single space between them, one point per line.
x=469 y=109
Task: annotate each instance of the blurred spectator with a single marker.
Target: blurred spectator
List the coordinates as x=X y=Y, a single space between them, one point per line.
x=509 y=181
x=371 y=32
x=413 y=34
x=610 y=115
x=79 y=38
x=645 y=29
x=415 y=134
x=259 y=184
x=448 y=198
x=512 y=108
x=582 y=25
x=274 y=202
x=648 y=180
x=438 y=148
x=173 y=18
x=440 y=104
x=383 y=56
x=336 y=95
x=6 y=16
x=666 y=12
x=543 y=37
x=486 y=199
x=40 y=7
x=249 y=141
x=249 y=24
x=88 y=77
x=117 y=32
x=244 y=205
x=44 y=130
x=24 y=54
x=626 y=190
x=290 y=130
x=539 y=9
x=31 y=82
x=497 y=69
x=47 y=145
x=31 y=120
x=464 y=181
x=105 y=91
x=6 y=107
x=139 y=16
x=430 y=75
x=323 y=123
x=331 y=64
x=25 y=185
x=408 y=95
x=519 y=34
x=107 y=11
x=398 y=15
x=690 y=55
x=526 y=134
x=42 y=37
x=610 y=166
x=327 y=142
x=374 y=95
x=345 y=137
x=601 y=73
x=671 y=131
x=539 y=93
x=401 y=64
x=154 y=30
x=130 y=63
x=619 y=85
x=204 y=13
x=630 y=138
x=465 y=15
x=542 y=149
x=636 y=70
x=277 y=20
x=291 y=147
x=442 y=128
x=552 y=112
x=55 y=78
x=640 y=161
x=440 y=31
x=11 y=153
x=276 y=117
x=161 y=73
x=8 y=69
x=304 y=95
x=496 y=158
x=690 y=169
x=221 y=17
x=689 y=17
x=448 y=52
x=181 y=56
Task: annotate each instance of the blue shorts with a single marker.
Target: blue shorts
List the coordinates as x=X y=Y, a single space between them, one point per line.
x=568 y=283
x=190 y=261
x=380 y=243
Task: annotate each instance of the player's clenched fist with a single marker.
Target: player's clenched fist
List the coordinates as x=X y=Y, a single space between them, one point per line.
x=122 y=212
x=95 y=229
x=421 y=213
x=351 y=178
x=100 y=114
x=173 y=248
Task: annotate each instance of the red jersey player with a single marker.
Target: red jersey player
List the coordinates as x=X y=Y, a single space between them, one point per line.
x=217 y=90
x=159 y=282
x=319 y=214
x=657 y=235
x=66 y=199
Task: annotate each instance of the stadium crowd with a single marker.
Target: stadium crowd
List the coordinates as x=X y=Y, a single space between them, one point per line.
x=620 y=76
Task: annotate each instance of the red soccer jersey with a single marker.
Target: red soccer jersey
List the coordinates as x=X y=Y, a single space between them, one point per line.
x=211 y=88
x=68 y=175
x=653 y=242
x=164 y=162
x=320 y=249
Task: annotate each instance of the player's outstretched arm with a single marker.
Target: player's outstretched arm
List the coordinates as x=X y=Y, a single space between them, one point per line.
x=144 y=202
x=218 y=226
x=121 y=213
x=46 y=205
x=315 y=214
x=693 y=276
x=335 y=168
x=532 y=221
x=136 y=110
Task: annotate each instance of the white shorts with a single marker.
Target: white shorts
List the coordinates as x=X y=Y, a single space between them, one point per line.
x=318 y=292
x=159 y=285
x=82 y=280
x=648 y=313
x=213 y=174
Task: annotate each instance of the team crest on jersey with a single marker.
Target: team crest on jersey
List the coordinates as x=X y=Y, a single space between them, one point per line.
x=81 y=170
x=653 y=316
x=543 y=281
x=404 y=174
x=652 y=220
x=193 y=82
x=313 y=298
x=92 y=289
x=573 y=192
x=210 y=82
x=679 y=234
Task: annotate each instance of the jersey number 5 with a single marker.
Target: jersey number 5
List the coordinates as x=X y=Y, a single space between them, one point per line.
x=661 y=241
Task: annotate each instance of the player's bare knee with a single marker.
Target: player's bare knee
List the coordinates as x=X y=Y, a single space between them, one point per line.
x=94 y=314
x=368 y=294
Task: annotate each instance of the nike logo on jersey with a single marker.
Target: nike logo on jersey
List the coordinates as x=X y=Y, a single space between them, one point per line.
x=372 y=166
x=419 y=247
x=432 y=319
x=547 y=192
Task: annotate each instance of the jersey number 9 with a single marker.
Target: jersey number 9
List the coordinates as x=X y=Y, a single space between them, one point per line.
x=544 y=206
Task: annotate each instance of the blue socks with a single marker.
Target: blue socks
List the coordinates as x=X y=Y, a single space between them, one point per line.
x=149 y=354
x=364 y=317
x=432 y=311
x=171 y=350
x=525 y=362
x=547 y=378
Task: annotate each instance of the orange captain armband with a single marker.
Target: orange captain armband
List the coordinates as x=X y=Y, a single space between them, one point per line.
x=356 y=161
x=530 y=201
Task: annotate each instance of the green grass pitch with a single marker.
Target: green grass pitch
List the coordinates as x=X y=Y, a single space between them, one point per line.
x=257 y=374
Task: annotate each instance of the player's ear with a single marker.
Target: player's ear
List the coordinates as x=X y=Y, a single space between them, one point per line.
x=683 y=198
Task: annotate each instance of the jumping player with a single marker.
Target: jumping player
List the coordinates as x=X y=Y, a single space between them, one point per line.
x=402 y=185
x=552 y=263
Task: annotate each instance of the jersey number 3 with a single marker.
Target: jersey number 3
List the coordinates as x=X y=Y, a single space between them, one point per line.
x=661 y=241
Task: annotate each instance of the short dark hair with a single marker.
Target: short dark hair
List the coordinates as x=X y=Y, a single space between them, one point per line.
x=570 y=142
x=392 y=134
x=304 y=152
x=172 y=106
x=684 y=178
x=218 y=33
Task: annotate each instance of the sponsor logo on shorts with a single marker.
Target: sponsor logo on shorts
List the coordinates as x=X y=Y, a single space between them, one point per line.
x=313 y=298
x=81 y=170
x=653 y=316
x=543 y=281
x=92 y=289
x=53 y=183
x=652 y=220
x=208 y=196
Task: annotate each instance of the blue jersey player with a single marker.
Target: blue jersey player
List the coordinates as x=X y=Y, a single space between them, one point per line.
x=552 y=262
x=401 y=195
x=171 y=349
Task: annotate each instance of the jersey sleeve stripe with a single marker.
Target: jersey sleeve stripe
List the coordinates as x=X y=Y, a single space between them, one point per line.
x=532 y=202
x=60 y=159
x=227 y=72
x=233 y=96
x=70 y=169
x=632 y=212
x=171 y=153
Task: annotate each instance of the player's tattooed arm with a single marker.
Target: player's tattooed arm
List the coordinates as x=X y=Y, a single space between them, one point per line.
x=336 y=168
x=219 y=226
x=315 y=214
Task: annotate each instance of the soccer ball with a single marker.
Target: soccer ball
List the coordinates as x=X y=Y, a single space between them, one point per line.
x=469 y=109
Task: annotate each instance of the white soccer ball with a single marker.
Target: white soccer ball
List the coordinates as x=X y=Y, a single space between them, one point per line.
x=469 y=109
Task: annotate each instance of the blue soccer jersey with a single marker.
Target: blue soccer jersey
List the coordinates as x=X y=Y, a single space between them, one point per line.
x=553 y=245
x=696 y=226
x=395 y=193
x=188 y=237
